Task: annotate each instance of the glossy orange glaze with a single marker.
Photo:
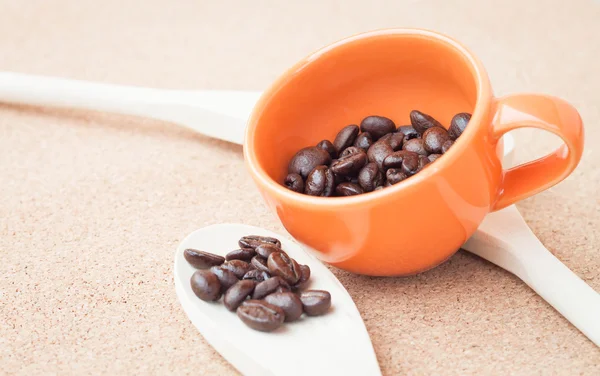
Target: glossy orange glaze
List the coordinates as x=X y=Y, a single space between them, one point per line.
x=417 y=224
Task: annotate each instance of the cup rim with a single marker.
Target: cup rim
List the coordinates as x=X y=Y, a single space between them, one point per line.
x=482 y=103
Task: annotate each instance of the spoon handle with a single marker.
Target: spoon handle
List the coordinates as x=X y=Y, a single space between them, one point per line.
x=218 y=114
x=505 y=240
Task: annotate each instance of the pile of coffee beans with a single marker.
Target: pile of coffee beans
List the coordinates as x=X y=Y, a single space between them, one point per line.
x=259 y=281
x=372 y=156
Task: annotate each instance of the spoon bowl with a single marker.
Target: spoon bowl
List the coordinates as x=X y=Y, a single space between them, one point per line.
x=335 y=343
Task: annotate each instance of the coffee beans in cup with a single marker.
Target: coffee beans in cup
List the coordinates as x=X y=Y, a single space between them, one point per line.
x=260 y=281
x=371 y=156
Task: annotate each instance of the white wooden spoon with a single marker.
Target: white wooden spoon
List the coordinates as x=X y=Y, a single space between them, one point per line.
x=503 y=239
x=336 y=343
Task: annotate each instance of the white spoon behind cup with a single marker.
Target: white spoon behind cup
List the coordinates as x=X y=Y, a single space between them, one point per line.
x=222 y=114
x=336 y=343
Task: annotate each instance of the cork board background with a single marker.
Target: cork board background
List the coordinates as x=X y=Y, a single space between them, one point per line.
x=93 y=205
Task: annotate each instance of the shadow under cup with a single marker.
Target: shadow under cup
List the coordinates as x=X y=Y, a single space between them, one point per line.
x=403 y=229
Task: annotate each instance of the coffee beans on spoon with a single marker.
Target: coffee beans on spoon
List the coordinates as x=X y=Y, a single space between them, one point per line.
x=364 y=158
x=259 y=281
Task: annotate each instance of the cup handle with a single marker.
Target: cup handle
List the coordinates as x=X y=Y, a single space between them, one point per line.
x=544 y=112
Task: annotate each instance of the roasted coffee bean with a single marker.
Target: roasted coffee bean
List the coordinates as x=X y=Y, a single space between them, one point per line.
x=284 y=266
x=345 y=137
x=421 y=121
x=395 y=159
x=315 y=302
x=257 y=275
x=261 y=315
x=348 y=189
x=395 y=175
x=264 y=250
x=202 y=260
x=351 y=164
x=405 y=160
x=434 y=138
x=244 y=254
x=396 y=140
x=350 y=150
x=377 y=126
x=433 y=157
x=226 y=277
x=408 y=131
x=415 y=145
x=206 y=285
x=238 y=293
x=423 y=162
x=271 y=285
x=364 y=141
x=320 y=182
x=328 y=147
x=378 y=152
x=253 y=241
x=260 y=263
x=304 y=277
x=294 y=182
x=307 y=159
x=289 y=303
x=370 y=177
x=446 y=146
x=237 y=267
x=458 y=124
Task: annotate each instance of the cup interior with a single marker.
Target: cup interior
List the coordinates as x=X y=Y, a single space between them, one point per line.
x=386 y=74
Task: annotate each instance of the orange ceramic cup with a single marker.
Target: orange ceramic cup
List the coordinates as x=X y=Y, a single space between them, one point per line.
x=416 y=224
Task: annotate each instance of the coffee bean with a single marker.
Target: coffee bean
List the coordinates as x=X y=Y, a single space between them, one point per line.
x=304 y=277
x=294 y=182
x=264 y=250
x=206 y=285
x=348 y=189
x=446 y=146
x=415 y=145
x=284 y=266
x=345 y=137
x=370 y=177
x=421 y=121
x=378 y=152
x=364 y=141
x=396 y=140
x=349 y=165
x=257 y=275
x=434 y=138
x=307 y=159
x=408 y=131
x=253 y=241
x=423 y=162
x=244 y=254
x=350 y=150
x=433 y=157
x=315 y=302
x=320 y=182
x=261 y=315
x=202 y=260
x=237 y=267
x=271 y=285
x=226 y=277
x=328 y=147
x=395 y=175
x=238 y=293
x=396 y=159
x=289 y=303
x=377 y=126
x=260 y=263
x=458 y=124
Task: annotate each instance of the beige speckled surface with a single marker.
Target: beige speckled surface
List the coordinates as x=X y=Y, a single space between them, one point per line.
x=92 y=206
